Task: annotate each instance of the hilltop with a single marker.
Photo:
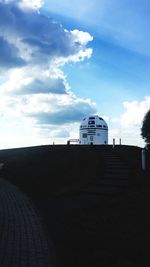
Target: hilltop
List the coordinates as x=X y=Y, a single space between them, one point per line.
x=94 y=201
x=48 y=169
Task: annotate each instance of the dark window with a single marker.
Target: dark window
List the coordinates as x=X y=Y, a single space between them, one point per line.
x=100 y=118
x=84 y=135
x=91 y=118
x=91 y=122
x=100 y=126
x=104 y=126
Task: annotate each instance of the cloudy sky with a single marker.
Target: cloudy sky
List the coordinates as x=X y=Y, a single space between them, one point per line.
x=60 y=62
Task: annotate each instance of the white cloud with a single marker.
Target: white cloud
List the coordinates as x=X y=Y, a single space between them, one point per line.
x=35 y=92
x=25 y=4
x=81 y=37
x=128 y=125
x=33 y=37
x=31 y=4
x=78 y=57
x=135 y=112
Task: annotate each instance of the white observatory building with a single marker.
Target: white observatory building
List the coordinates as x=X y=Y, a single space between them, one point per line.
x=93 y=131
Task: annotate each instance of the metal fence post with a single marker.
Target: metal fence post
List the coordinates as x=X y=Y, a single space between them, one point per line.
x=143 y=159
x=113 y=142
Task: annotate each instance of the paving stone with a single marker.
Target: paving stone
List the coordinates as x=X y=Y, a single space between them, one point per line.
x=23 y=241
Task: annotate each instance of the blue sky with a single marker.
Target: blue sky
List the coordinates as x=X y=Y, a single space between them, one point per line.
x=60 y=62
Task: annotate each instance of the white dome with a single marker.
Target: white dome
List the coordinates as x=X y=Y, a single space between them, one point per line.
x=93 y=130
x=93 y=122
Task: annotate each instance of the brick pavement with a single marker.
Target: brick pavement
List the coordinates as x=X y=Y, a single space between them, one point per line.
x=23 y=240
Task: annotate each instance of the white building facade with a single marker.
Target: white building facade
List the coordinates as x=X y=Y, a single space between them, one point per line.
x=93 y=131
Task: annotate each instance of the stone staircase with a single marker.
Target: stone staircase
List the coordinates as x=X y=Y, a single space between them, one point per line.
x=116 y=178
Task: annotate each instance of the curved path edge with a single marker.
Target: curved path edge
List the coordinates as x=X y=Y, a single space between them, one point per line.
x=23 y=241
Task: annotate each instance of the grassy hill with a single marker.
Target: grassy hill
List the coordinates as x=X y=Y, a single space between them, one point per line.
x=52 y=169
x=87 y=229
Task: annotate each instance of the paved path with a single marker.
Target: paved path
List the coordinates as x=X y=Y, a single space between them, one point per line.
x=22 y=238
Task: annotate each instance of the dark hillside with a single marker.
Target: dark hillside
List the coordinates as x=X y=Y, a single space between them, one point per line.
x=51 y=169
x=54 y=169
x=131 y=155
x=94 y=201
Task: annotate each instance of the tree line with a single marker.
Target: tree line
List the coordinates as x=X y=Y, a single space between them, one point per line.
x=145 y=130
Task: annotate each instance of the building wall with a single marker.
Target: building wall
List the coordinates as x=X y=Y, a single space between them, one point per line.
x=93 y=136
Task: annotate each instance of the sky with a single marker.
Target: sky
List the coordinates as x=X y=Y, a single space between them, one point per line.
x=61 y=61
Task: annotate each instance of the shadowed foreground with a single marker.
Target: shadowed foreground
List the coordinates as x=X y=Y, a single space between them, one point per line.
x=22 y=239
x=99 y=230
x=94 y=201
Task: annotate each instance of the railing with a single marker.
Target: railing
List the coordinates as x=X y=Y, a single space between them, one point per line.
x=73 y=141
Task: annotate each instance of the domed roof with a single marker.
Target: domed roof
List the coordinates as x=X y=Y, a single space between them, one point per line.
x=93 y=122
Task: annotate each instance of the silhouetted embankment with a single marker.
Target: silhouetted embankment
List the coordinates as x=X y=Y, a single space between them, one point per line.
x=57 y=168
x=88 y=227
x=52 y=169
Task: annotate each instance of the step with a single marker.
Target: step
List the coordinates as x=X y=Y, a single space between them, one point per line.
x=103 y=190
x=116 y=176
x=113 y=166
x=114 y=162
x=119 y=171
x=111 y=182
